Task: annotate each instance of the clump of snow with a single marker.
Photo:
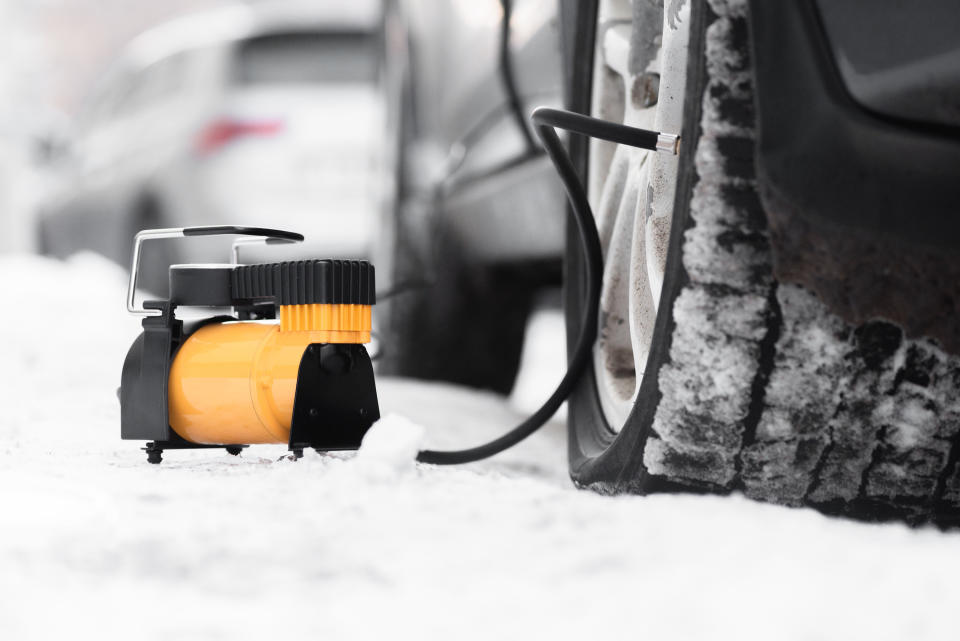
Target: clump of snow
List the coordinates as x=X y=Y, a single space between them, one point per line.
x=801 y=399
x=917 y=424
x=713 y=351
x=390 y=448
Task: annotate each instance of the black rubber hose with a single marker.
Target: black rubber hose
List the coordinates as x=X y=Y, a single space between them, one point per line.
x=507 y=76
x=595 y=128
x=545 y=120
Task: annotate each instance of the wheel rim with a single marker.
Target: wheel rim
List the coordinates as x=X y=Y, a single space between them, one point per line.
x=632 y=191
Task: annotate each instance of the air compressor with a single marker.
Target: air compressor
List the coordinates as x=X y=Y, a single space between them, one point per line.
x=288 y=365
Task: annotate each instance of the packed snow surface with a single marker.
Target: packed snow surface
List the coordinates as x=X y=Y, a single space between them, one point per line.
x=95 y=543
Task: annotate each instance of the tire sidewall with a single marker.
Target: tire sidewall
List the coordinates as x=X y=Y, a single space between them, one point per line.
x=598 y=455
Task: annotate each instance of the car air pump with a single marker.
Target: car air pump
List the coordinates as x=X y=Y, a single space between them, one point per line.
x=289 y=366
x=307 y=380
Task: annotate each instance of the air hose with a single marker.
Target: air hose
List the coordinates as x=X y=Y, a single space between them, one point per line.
x=545 y=122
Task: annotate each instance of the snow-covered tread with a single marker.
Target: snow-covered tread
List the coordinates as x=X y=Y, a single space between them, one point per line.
x=721 y=317
x=768 y=392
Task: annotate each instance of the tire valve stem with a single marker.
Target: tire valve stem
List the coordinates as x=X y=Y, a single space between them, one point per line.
x=668 y=143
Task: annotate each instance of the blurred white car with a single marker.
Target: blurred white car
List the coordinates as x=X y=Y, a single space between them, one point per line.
x=264 y=116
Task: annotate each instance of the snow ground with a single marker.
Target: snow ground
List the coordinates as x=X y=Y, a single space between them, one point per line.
x=95 y=543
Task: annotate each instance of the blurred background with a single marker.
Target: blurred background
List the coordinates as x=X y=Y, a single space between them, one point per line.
x=119 y=115
x=387 y=130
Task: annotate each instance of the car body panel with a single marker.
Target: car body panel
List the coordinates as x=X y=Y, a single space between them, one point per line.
x=467 y=148
x=833 y=159
x=898 y=59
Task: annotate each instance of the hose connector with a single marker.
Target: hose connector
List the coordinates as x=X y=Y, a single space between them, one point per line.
x=668 y=144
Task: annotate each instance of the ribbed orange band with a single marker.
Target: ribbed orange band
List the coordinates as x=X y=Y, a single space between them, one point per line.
x=343 y=323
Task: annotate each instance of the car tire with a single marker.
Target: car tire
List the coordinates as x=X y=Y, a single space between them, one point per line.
x=465 y=325
x=42 y=239
x=446 y=317
x=751 y=384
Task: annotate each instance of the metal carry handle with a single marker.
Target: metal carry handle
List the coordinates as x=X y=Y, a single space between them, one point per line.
x=275 y=235
x=245 y=242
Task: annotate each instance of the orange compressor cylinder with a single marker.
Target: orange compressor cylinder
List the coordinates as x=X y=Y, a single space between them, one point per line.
x=235 y=382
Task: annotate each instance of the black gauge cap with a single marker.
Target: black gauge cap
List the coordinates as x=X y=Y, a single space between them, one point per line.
x=306 y=282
